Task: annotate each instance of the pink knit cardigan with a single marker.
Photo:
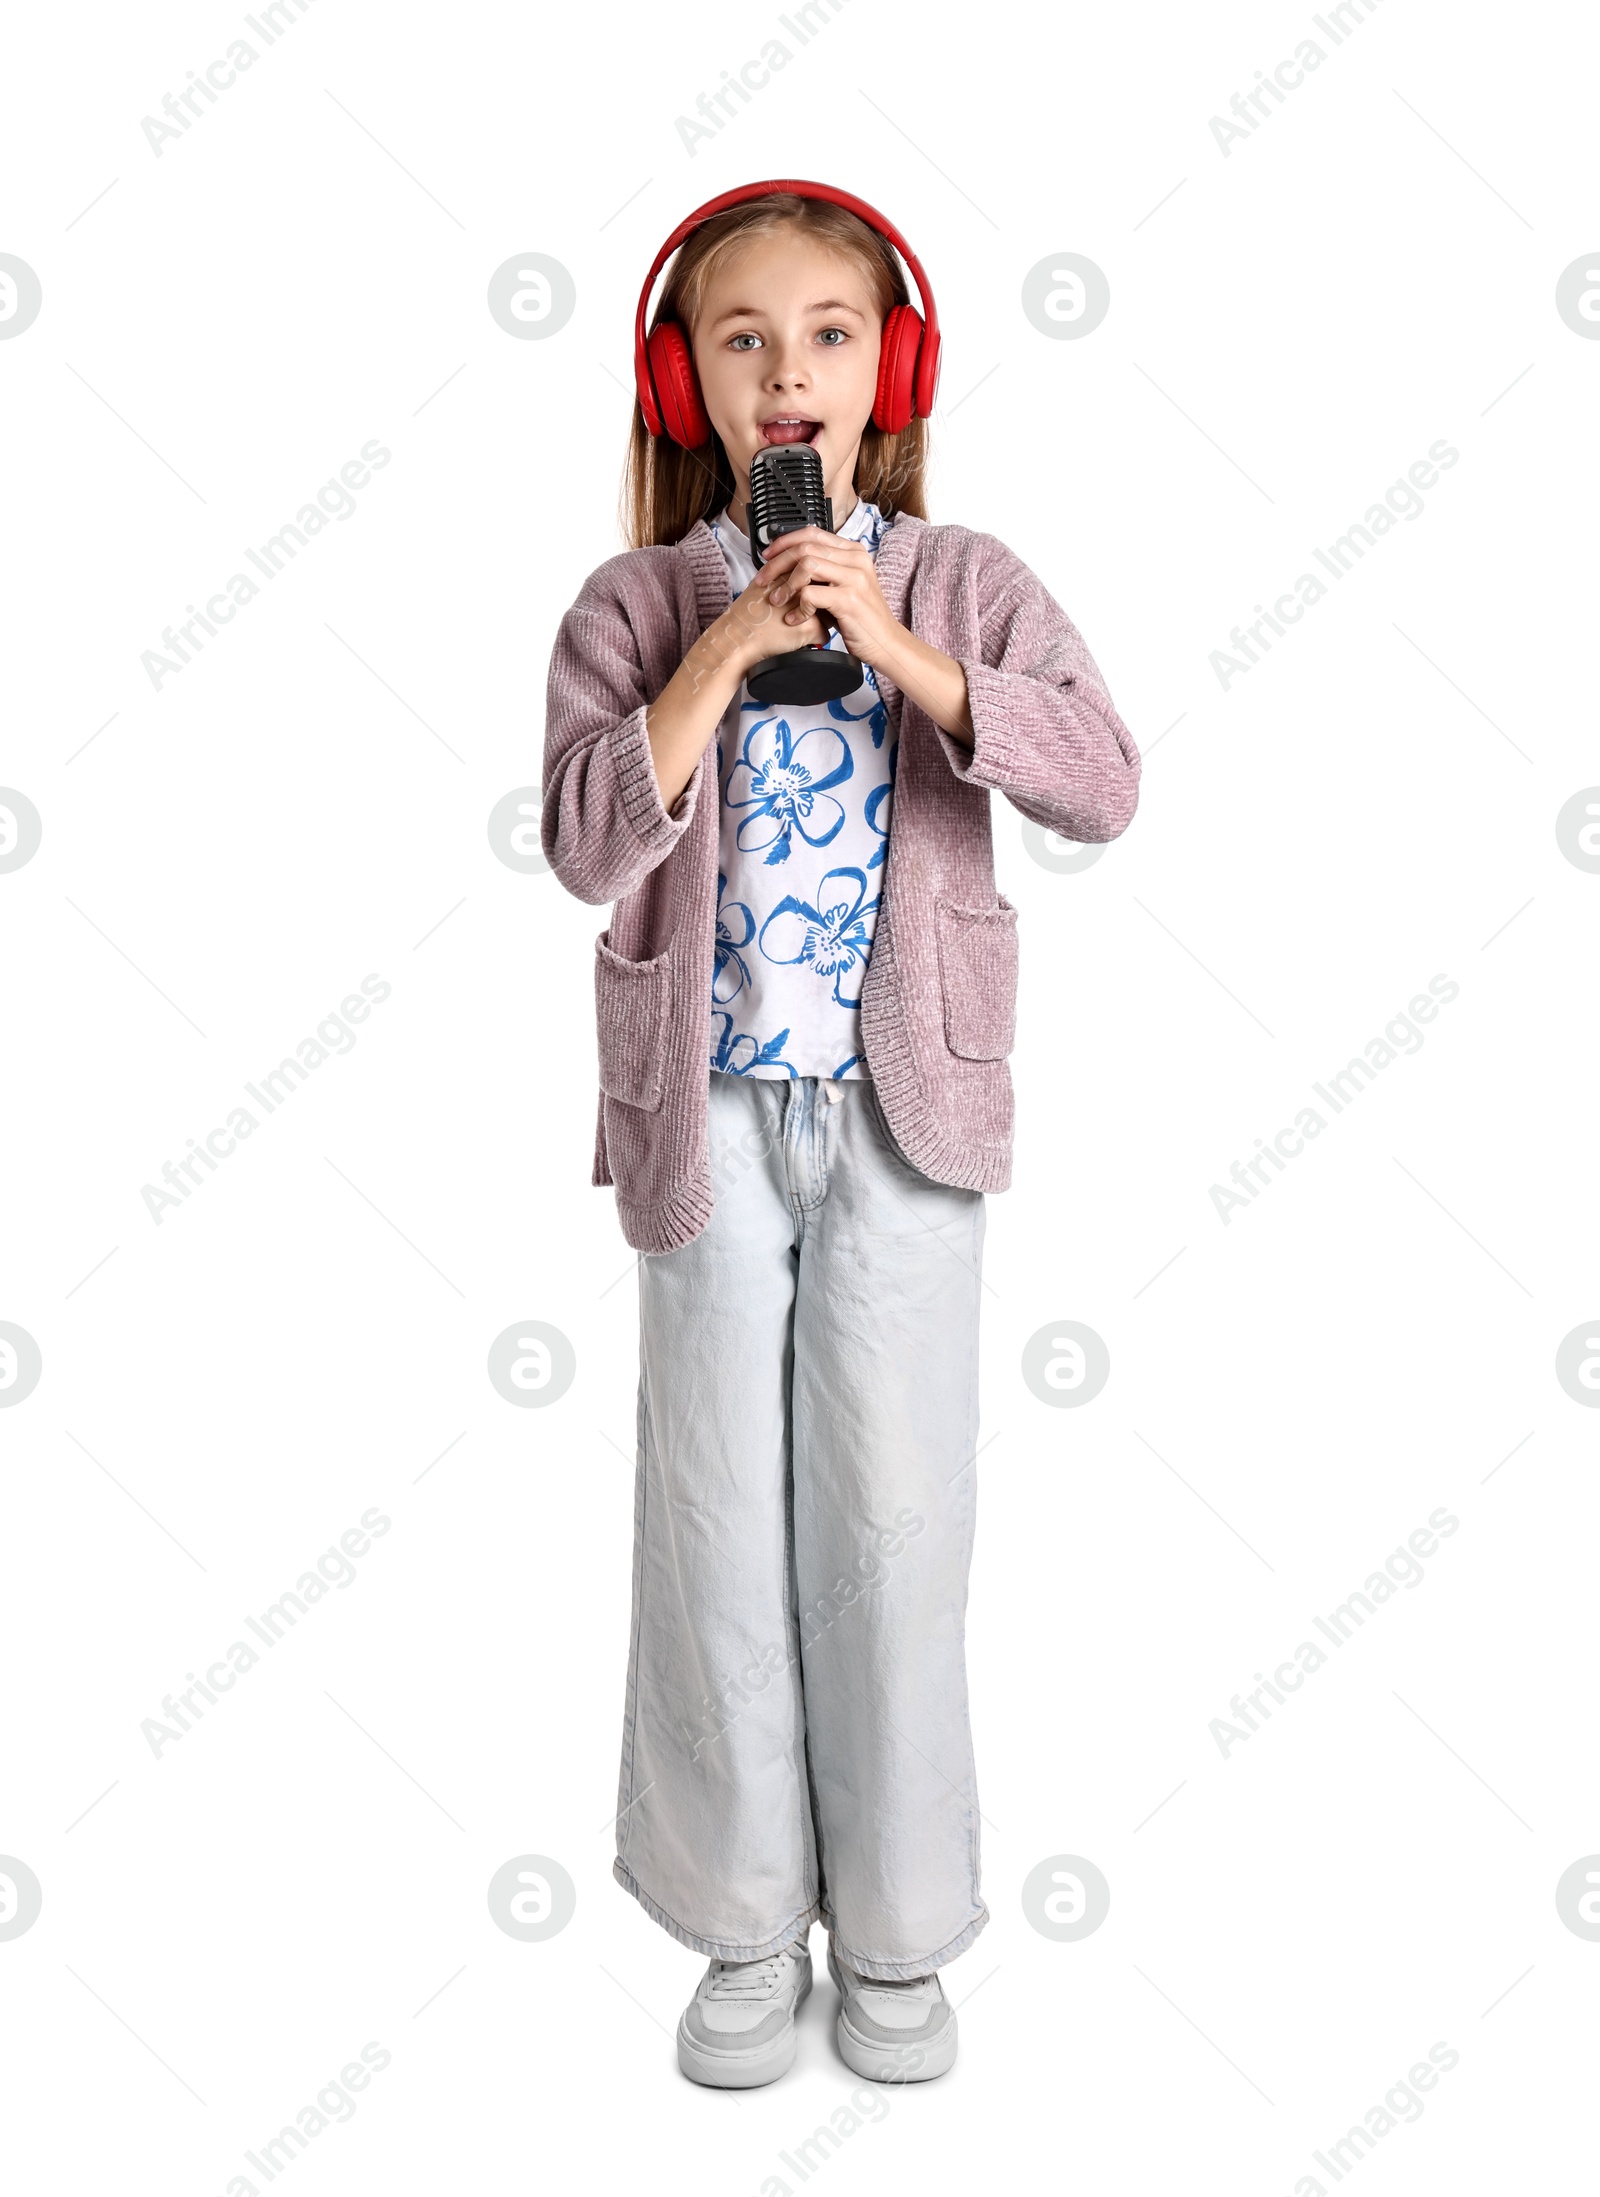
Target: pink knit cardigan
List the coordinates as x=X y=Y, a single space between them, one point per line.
x=938 y=1006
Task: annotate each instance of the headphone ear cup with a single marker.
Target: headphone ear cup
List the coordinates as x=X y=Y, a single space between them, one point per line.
x=645 y=389
x=683 y=413
x=894 y=405
x=928 y=373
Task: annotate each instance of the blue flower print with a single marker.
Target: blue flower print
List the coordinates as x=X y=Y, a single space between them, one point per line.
x=736 y=926
x=830 y=938
x=728 y=1055
x=876 y=806
x=782 y=783
x=877 y=717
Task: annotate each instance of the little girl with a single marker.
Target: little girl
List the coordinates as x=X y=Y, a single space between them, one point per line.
x=805 y=1001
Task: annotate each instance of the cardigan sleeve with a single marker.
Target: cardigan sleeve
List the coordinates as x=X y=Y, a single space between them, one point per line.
x=603 y=825
x=1046 y=733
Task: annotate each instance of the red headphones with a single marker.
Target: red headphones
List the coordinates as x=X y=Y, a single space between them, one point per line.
x=908 y=364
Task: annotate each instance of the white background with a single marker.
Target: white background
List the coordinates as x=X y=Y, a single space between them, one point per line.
x=1292 y=1927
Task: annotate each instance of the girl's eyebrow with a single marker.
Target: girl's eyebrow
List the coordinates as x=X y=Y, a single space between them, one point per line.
x=756 y=312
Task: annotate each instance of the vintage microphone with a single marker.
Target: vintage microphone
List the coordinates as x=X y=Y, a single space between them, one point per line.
x=786 y=493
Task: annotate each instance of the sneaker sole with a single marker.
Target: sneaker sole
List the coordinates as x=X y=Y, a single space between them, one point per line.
x=740 y=2070
x=888 y=2063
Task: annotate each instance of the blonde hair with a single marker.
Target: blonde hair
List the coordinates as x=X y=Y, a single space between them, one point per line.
x=666 y=488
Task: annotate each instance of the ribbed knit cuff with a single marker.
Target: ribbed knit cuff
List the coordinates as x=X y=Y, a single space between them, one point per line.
x=636 y=781
x=991 y=759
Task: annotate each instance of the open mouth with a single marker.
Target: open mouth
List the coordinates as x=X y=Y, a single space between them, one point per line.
x=790 y=427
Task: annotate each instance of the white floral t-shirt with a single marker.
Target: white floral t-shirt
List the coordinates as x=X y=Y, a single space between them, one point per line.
x=804 y=795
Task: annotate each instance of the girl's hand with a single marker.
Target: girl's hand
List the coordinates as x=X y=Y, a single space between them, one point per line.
x=757 y=630
x=812 y=570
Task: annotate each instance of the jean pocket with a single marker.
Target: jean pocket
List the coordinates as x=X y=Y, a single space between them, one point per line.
x=978 y=977
x=633 y=1007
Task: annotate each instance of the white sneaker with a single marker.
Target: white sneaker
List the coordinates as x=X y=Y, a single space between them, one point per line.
x=738 y=2030
x=894 y=2032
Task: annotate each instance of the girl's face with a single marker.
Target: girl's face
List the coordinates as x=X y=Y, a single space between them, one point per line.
x=786 y=347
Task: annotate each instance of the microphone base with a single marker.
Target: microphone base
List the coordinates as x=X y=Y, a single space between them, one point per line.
x=811 y=674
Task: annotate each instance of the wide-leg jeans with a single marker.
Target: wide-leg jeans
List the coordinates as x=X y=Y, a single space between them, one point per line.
x=796 y=1743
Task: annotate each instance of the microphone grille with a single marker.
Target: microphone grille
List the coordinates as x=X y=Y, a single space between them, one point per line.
x=786 y=493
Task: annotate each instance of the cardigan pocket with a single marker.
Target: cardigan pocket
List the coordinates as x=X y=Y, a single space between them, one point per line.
x=978 y=977
x=633 y=1004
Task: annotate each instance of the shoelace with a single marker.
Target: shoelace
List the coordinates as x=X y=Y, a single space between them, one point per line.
x=746 y=1979
x=893 y=1983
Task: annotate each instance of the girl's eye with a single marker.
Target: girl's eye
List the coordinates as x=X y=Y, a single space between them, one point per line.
x=749 y=340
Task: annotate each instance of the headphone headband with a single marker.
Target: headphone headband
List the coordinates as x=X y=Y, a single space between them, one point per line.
x=746 y=194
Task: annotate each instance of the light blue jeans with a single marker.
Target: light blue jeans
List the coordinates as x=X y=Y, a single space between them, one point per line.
x=796 y=1745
